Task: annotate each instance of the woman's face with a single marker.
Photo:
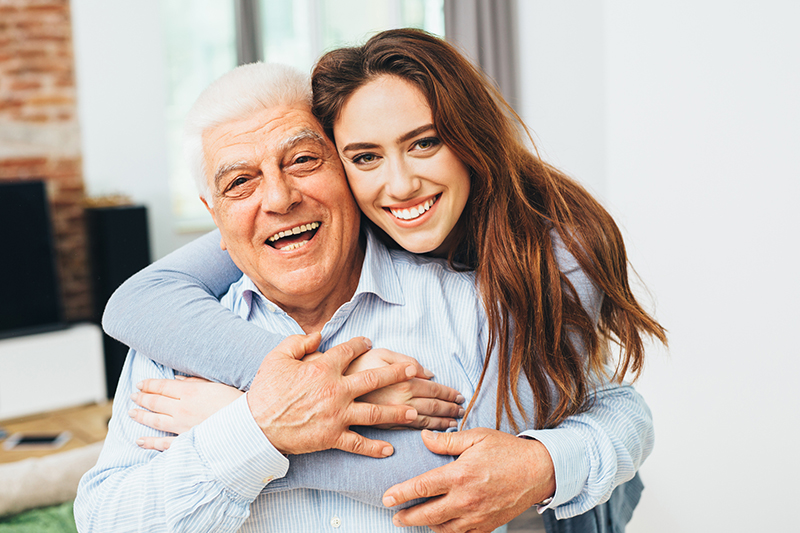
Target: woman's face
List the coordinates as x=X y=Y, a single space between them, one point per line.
x=404 y=178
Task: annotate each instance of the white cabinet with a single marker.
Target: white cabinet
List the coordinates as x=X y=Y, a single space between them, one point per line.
x=51 y=370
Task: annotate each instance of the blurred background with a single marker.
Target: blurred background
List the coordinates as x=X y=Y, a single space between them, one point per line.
x=683 y=117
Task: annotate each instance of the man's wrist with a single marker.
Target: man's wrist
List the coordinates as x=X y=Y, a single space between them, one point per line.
x=551 y=489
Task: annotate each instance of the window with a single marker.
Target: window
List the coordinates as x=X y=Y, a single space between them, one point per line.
x=201 y=44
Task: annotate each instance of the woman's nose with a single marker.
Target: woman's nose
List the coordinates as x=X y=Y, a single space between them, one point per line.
x=402 y=182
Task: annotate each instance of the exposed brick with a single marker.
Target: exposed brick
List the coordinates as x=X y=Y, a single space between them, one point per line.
x=25 y=85
x=37 y=85
x=11 y=103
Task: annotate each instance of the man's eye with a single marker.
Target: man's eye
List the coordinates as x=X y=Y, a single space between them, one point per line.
x=239 y=187
x=304 y=159
x=241 y=180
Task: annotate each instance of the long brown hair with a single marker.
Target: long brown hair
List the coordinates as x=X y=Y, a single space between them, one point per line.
x=516 y=202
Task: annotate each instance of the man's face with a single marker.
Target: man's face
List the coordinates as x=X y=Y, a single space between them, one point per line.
x=282 y=204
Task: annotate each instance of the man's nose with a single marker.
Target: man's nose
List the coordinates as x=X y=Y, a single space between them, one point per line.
x=402 y=182
x=280 y=195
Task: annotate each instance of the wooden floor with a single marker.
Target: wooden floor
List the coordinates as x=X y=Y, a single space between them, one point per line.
x=87 y=424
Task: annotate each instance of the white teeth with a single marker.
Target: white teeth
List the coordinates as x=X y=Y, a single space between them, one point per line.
x=293 y=246
x=294 y=231
x=414 y=212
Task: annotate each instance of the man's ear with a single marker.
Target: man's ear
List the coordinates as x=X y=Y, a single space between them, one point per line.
x=214 y=218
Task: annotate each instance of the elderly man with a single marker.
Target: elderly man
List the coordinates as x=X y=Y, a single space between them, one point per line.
x=273 y=177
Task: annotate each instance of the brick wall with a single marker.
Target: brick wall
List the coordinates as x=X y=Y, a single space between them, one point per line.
x=39 y=136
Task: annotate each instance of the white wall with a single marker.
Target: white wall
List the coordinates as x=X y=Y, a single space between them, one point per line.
x=121 y=84
x=700 y=133
x=562 y=85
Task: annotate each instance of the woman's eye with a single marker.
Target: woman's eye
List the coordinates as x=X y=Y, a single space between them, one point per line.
x=424 y=144
x=365 y=159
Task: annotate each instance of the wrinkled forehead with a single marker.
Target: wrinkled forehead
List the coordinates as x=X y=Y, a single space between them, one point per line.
x=266 y=134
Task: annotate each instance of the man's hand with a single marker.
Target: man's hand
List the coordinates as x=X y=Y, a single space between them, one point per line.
x=307 y=406
x=496 y=478
x=437 y=405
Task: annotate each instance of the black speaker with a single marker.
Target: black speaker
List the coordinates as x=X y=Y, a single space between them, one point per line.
x=119 y=246
x=30 y=297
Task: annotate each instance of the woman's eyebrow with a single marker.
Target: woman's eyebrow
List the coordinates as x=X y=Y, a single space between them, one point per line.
x=413 y=133
x=403 y=138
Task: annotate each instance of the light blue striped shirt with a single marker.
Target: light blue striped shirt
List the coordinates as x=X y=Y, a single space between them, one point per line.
x=224 y=475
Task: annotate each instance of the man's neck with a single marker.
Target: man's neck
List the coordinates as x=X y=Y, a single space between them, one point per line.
x=313 y=311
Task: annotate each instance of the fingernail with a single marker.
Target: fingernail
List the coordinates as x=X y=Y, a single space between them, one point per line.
x=453 y=424
x=428 y=373
x=368 y=342
x=411 y=414
x=140 y=442
x=140 y=385
x=389 y=501
x=396 y=521
x=132 y=413
x=134 y=395
x=461 y=412
x=387 y=451
x=428 y=434
x=411 y=371
x=459 y=399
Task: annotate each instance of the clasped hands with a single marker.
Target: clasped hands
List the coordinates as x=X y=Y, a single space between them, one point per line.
x=306 y=401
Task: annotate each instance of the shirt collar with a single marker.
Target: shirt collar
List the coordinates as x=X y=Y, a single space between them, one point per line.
x=378 y=274
x=378 y=277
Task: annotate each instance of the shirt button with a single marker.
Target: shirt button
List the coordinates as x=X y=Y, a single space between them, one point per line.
x=271 y=308
x=267 y=479
x=336 y=521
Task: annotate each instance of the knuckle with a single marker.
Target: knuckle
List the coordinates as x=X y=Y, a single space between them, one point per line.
x=373 y=413
x=370 y=380
x=422 y=487
x=424 y=422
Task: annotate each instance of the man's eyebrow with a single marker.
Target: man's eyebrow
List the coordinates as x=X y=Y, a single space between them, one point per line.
x=224 y=170
x=306 y=134
x=403 y=138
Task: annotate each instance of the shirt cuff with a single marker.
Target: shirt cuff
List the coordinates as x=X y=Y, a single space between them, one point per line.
x=237 y=451
x=570 y=462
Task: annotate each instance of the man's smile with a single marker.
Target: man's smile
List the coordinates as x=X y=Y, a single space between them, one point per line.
x=293 y=238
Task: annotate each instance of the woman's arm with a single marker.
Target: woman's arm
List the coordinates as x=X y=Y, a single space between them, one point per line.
x=171 y=312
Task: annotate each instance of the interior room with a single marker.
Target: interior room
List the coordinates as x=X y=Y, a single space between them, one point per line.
x=682 y=117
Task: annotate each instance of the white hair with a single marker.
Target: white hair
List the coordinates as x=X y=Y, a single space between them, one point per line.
x=236 y=95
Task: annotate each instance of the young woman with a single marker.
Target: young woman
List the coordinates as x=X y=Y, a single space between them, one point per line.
x=438 y=162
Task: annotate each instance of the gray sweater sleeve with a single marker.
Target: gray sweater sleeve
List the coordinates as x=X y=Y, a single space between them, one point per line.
x=170 y=311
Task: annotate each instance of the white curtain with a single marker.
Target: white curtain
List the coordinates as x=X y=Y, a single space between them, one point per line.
x=486 y=30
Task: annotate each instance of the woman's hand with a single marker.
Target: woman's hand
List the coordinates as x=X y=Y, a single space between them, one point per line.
x=495 y=478
x=437 y=405
x=177 y=405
